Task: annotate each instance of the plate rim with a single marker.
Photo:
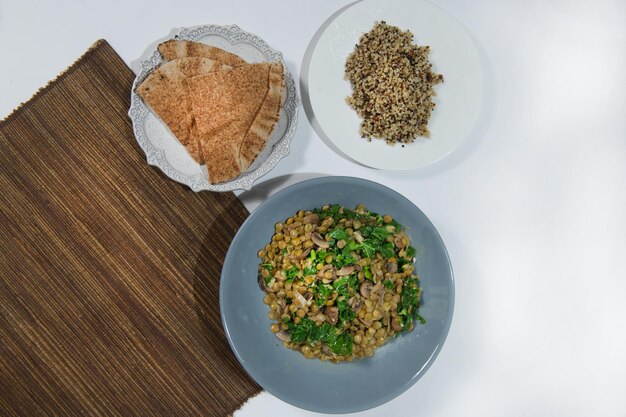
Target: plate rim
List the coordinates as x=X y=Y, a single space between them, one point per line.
x=418 y=374
x=150 y=59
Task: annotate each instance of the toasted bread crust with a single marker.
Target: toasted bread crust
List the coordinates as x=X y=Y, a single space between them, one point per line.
x=174 y=49
x=265 y=120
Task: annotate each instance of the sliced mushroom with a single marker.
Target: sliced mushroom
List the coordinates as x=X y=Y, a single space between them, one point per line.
x=299 y=298
x=355 y=303
x=261 y=281
x=322 y=273
x=283 y=335
x=366 y=289
x=332 y=315
x=392 y=267
x=311 y=218
x=308 y=295
x=379 y=290
x=345 y=270
x=326 y=350
x=398 y=241
x=319 y=240
x=358 y=237
x=300 y=257
x=368 y=323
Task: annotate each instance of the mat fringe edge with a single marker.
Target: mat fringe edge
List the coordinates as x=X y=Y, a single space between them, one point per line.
x=244 y=403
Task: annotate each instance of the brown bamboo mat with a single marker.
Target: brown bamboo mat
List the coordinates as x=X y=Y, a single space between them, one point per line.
x=110 y=271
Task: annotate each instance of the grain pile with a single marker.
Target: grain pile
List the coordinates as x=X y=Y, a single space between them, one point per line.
x=392 y=82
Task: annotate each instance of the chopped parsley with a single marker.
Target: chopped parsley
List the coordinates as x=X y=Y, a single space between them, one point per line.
x=321 y=292
x=291 y=274
x=307 y=332
x=409 y=302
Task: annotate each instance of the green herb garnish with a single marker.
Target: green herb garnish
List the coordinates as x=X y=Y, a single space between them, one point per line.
x=409 y=302
x=307 y=332
x=291 y=274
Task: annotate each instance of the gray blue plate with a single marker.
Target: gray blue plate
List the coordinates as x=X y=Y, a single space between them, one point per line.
x=309 y=383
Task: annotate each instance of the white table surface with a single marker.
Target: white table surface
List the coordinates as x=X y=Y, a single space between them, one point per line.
x=532 y=206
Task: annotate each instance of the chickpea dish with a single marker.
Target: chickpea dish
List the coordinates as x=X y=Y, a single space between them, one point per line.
x=339 y=282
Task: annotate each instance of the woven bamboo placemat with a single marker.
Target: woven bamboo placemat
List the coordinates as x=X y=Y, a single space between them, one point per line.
x=110 y=271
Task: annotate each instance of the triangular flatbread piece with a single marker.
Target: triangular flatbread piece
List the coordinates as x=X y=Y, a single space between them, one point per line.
x=173 y=49
x=224 y=105
x=165 y=93
x=266 y=119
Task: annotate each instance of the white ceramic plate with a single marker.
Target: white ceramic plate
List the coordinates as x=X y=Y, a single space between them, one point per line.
x=161 y=146
x=453 y=54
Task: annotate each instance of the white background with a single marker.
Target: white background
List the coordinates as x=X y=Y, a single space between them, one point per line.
x=532 y=206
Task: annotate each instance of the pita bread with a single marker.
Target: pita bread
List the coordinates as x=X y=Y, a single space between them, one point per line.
x=174 y=49
x=224 y=105
x=165 y=93
x=266 y=119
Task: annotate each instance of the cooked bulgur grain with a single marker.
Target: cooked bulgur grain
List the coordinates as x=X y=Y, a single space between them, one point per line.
x=392 y=83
